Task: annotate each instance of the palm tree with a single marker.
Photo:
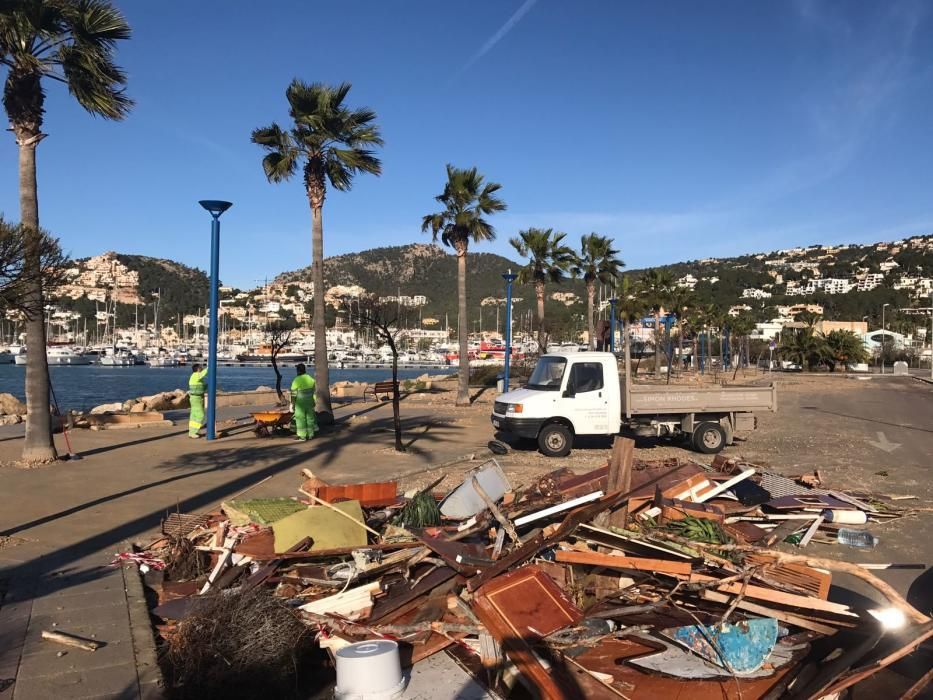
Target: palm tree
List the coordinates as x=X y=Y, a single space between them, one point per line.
x=656 y=286
x=466 y=199
x=844 y=348
x=597 y=262
x=71 y=42
x=630 y=306
x=682 y=301
x=548 y=261
x=331 y=143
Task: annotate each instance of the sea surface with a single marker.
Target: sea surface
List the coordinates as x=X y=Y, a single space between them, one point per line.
x=86 y=386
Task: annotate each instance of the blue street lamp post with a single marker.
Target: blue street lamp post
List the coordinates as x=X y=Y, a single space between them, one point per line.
x=612 y=324
x=216 y=208
x=509 y=278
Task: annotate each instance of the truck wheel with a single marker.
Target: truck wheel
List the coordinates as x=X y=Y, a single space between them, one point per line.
x=555 y=440
x=709 y=438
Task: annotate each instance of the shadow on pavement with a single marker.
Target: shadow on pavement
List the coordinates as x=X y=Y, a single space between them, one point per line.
x=867 y=420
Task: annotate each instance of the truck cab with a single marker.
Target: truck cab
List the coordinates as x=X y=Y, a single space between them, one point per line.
x=580 y=393
x=568 y=394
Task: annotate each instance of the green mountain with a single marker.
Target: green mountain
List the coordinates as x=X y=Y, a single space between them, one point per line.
x=428 y=270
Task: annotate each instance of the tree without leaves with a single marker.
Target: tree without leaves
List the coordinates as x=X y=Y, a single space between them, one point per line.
x=331 y=143
x=549 y=260
x=17 y=278
x=71 y=42
x=466 y=199
x=596 y=262
x=280 y=336
x=382 y=319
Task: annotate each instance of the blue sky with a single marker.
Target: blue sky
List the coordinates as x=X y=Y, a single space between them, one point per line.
x=682 y=129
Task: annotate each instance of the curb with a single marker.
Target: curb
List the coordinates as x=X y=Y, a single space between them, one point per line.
x=925 y=380
x=151 y=683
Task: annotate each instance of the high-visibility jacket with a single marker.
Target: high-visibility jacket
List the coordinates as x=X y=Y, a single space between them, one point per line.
x=197 y=383
x=303 y=387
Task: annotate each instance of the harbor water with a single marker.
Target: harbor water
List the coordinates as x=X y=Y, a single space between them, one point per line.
x=84 y=387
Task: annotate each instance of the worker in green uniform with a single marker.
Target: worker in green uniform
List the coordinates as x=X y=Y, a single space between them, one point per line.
x=197 y=386
x=303 y=403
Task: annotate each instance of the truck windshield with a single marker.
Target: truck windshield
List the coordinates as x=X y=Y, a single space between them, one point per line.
x=548 y=374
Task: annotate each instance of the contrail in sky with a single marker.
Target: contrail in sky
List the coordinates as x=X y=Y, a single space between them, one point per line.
x=499 y=35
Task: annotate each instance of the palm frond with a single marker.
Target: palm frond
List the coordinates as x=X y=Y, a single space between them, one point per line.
x=71 y=41
x=466 y=200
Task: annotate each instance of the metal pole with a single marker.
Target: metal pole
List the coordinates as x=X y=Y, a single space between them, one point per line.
x=882 y=338
x=212 y=333
x=931 y=333
x=509 y=278
x=612 y=324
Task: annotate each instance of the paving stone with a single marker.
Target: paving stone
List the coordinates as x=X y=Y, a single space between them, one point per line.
x=101 y=597
x=77 y=582
x=117 y=681
x=44 y=660
x=151 y=691
x=103 y=631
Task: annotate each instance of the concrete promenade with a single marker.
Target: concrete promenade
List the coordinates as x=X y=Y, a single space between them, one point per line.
x=62 y=524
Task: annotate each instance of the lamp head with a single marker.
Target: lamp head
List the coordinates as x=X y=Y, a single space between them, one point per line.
x=215 y=206
x=509 y=276
x=613 y=301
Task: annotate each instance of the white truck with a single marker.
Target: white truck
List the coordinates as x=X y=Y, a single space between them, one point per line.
x=580 y=393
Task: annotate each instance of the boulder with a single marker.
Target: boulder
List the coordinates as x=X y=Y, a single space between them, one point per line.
x=159 y=402
x=138 y=407
x=263 y=388
x=11 y=406
x=11 y=419
x=128 y=405
x=116 y=407
x=180 y=402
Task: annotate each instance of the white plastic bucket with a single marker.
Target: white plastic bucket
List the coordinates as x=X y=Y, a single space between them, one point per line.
x=846 y=517
x=369 y=671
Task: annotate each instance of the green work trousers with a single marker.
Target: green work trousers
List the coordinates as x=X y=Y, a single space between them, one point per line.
x=305 y=418
x=196 y=418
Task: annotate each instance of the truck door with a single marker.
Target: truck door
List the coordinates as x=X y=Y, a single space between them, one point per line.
x=586 y=400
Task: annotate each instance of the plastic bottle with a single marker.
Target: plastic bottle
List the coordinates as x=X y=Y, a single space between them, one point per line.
x=856 y=538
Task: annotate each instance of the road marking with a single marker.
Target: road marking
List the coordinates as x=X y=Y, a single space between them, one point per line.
x=884 y=444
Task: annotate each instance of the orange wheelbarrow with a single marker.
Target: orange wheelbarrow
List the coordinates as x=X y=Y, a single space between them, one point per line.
x=270 y=422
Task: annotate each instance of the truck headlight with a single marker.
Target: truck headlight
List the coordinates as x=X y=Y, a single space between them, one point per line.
x=514 y=408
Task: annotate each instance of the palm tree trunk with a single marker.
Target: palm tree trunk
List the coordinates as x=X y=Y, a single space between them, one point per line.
x=542 y=340
x=680 y=341
x=396 y=411
x=38 y=446
x=590 y=326
x=463 y=388
x=657 y=343
x=321 y=369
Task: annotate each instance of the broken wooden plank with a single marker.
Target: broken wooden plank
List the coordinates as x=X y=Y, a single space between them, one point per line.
x=778 y=597
x=571 y=521
x=559 y=508
x=353 y=604
x=620 y=475
x=370 y=495
x=782 y=615
x=521 y=607
x=222 y=561
x=71 y=640
x=622 y=562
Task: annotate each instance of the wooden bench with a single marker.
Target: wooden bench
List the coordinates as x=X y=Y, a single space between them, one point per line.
x=386 y=388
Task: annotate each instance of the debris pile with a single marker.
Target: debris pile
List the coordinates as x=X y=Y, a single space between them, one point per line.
x=636 y=580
